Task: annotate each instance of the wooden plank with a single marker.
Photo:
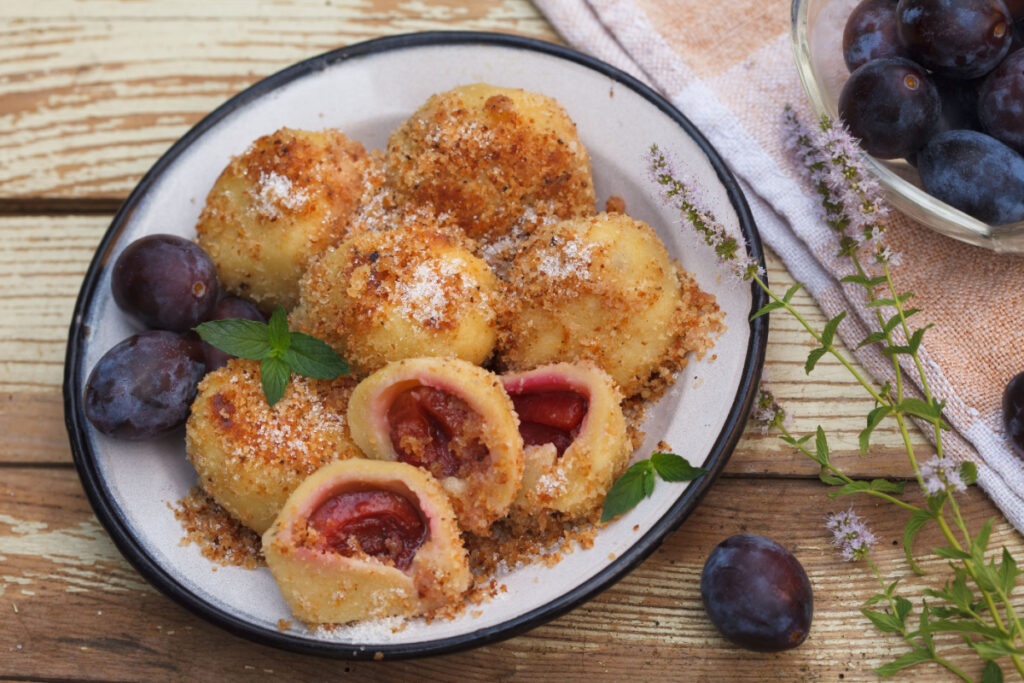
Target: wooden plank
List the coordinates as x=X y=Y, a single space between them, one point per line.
x=43 y=260
x=75 y=609
x=92 y=93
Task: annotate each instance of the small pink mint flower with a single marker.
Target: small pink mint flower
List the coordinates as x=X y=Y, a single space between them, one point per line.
x=942 y=474
x=850 y=535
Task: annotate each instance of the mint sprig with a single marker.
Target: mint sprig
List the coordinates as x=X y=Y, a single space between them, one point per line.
x=279 y=350
x=637 y=482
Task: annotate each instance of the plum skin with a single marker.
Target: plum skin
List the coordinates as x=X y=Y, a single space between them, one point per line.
x=1013 y=412
x=975 y=173
x=757 y=594
x=144 y=385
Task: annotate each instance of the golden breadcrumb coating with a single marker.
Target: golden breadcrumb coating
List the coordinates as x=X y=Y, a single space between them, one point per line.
x=384 y=296
x=284 y=200
x=493 y=161
x=322 y=586
x=603 y=288
x=249 y=456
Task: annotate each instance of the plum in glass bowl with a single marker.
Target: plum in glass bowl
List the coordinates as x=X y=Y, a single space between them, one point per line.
x=817 y=32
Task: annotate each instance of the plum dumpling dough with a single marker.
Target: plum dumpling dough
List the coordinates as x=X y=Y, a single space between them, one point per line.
x=413 y=291
x=493 y=161
x=288 y=197
x=364 y=538
x=603 y=289
x=448 y=417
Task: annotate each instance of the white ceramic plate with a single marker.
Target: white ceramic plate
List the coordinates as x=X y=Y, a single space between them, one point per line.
x=366 y=90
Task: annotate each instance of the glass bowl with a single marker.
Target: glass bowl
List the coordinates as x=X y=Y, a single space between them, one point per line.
x=817 y=32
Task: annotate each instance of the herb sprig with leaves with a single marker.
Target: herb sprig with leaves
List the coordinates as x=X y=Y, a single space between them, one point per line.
x=279 y=350
x=975 y=604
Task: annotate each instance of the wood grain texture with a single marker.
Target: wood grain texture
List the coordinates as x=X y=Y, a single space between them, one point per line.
x=74 y=609
x=92 y=92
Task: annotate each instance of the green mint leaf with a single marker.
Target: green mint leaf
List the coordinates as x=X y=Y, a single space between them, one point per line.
x=813 y=357
x=886 y=486
x=872 y=338
x=314 y=358
x=874 y=599
x=919 y=408
x=963 y=626
x=968 y=472
x=829 y=333
x=821 y=446
x=237 y=336
x=903 y=607
x=875 y=418
x=277 y=331
x=914 y=524
x=994 y=649
x=275 y=374
x=628 y=490
x=829 y=479
x=910 y=659
x=992 y=673
x=887 y=623
x=1008 y=573
x=767 y=308
x=788 y=296
x=850 y=489
x=672 y=467
x=951 y=553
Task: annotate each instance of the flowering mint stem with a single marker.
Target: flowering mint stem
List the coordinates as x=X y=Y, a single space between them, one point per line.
x=830 y=348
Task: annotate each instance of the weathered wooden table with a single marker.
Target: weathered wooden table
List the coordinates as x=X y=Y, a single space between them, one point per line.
x=91 y=93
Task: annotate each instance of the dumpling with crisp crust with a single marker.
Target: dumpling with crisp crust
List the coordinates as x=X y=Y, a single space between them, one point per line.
x=492 y=161
x=284 y=200
x=249 y=456
x=384 y=296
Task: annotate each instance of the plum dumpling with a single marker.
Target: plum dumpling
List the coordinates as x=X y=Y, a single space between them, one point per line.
x=574 y=436
x=450 y=418
x=288 y=197
x=362 y=539
x=413 y=291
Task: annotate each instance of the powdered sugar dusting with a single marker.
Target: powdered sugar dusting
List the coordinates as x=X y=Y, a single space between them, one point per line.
x=571 y=260
x=436 y=284
x=368 y=631
x=275 y=192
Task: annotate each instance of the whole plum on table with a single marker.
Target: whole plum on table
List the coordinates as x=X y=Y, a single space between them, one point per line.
x=1013 y=411
x=959 y=38
x=975 y=173
x=165 y=281
x=871 y=33
x=1001 y=102
x=891 y=105
x=144 y=385
x=757 y=594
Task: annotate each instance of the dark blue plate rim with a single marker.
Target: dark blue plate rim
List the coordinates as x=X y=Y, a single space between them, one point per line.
x=107 y=510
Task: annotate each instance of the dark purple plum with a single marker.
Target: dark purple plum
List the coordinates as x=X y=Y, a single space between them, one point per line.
x=959 y=104
x=1001 y=102
x=1016 y=8
x=165 y=281
x=144 y=385
x=958 y=38
x=757 y=594
x=228 y=307
x=975 y=173
x=1013 y=412
x=871 y=33
x=891 y=105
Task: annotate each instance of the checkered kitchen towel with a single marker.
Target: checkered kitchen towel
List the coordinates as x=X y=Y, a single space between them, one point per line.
x=729 y=68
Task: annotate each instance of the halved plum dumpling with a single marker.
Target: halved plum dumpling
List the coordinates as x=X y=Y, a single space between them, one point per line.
x=574 y=436
x=361 y=539
x=450 y=418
